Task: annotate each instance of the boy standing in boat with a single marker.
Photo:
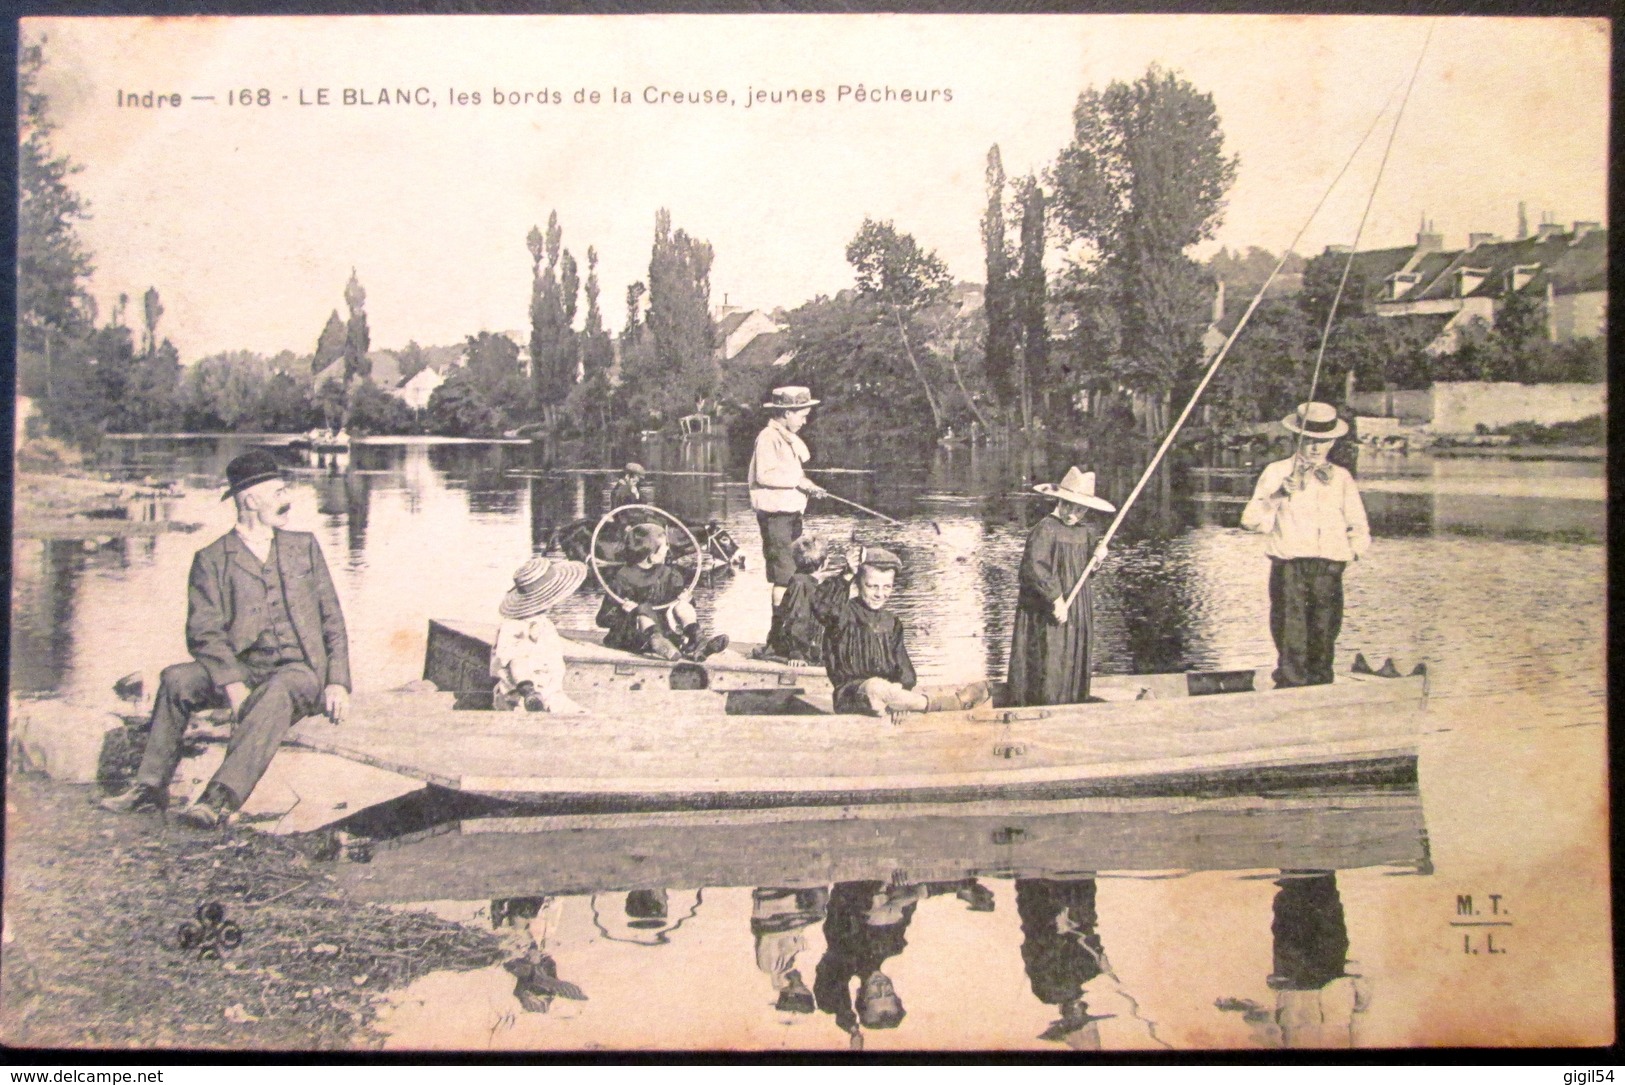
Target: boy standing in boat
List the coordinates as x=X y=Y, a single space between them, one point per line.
x=779 y=487
x=1310 y=512
x=655 y=613
x=864 y=653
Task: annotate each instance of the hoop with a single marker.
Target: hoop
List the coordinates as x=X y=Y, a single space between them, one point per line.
x=592 y=551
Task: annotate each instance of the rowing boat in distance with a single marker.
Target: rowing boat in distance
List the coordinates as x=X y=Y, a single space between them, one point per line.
x=739 y=738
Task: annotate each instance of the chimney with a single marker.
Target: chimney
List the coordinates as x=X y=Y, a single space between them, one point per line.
x=1523 y=221
x=1218 y=303
x=1475 y=240
x=1427 y=241
x=1547 y=230
x=1583 y=228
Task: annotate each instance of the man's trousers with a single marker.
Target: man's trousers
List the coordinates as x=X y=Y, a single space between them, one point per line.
x=1306 y=614
x=277 y=698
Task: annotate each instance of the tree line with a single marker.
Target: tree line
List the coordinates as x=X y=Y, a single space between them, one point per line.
x=1107 y=340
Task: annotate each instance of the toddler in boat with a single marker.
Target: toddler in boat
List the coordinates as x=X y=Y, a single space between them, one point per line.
x=655 y=613
x=527 y=659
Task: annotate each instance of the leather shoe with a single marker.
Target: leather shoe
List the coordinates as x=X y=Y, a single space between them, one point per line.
x=135 y=799
x=212 y=808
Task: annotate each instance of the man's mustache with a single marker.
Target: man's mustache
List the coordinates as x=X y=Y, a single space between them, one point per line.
x=283 y=510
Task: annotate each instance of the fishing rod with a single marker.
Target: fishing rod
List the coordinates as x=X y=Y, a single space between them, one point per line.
x=1331 y=314
x=1100 y=548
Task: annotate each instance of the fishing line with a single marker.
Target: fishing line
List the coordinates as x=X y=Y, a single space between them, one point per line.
x=1331 y=314
x=1097 y=556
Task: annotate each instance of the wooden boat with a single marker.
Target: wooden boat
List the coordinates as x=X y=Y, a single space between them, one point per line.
x=746 y=738
x=492 y=857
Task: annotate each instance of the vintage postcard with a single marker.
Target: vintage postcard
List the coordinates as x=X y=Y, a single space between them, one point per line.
x=809 y=533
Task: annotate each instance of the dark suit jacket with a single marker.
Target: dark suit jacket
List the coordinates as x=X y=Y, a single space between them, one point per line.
x=224 y=616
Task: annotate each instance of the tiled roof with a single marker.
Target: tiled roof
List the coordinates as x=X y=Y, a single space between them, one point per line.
x=730 y=323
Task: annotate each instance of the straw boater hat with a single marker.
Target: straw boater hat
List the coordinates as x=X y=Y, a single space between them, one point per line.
x=791 y=398
x=1317 y=420
x=539 y=584
x=1077 y=487
x=633 y=468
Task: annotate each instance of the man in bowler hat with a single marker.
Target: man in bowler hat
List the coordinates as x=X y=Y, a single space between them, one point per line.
x=267 y=638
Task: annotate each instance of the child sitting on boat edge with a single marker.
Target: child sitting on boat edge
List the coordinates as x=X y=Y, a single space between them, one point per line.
x=654 y=614
x=796 y=637
x=864 y=653
x=527 y=659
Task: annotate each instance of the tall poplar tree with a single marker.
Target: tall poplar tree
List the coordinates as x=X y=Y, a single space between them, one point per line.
x=999 y=351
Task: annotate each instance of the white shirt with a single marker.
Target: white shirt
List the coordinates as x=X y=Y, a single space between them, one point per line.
x=531 y=650
x=258 y=545
x=1322 y=520
x=775 y=470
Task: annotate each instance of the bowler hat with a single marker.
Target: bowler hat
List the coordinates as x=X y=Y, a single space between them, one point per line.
x=1315 y=420
x=250 y=469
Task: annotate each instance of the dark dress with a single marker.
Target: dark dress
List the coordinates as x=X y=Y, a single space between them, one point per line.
x=796 y=632
x=1050 y=663
x=650 y=588
x=1060 y=946
x=859 y=643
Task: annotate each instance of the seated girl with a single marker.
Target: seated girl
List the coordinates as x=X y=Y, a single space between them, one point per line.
x=796 y=636
x=643 y=621
x=527 y=659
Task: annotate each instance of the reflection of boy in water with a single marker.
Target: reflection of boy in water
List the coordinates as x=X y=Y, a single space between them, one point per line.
x=779 y=918
x=534 y=922
x=867 y=924
x=1317 y=1001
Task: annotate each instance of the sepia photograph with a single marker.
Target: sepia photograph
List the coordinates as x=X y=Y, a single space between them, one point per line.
x=758 y=533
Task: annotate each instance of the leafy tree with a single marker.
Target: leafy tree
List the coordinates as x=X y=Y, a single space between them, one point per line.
x=590 y=400
x=1030 y=309
x=54 y=311
x=999 y=350
x=553 y=347
x=357 y=341
x=678 y=374
x=330 y=344
x=286 y=403
x=1142 y=181
x=373 y=410
x=1266 y=373
x=487 y=395
x=413 y=360
x=1320 y=278
x=895 y=273
x=152 y=310
x=224 y=391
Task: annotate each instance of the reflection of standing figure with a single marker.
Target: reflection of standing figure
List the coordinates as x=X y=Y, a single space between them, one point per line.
x=1062 y=953
x=534 y=923
x=779 y=918
x=1318 y=1002
x=1052 y=648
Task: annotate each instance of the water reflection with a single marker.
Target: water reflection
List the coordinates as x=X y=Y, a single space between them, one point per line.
x=1318 y=1002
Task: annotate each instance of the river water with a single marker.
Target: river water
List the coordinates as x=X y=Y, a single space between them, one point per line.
x=1171 y=925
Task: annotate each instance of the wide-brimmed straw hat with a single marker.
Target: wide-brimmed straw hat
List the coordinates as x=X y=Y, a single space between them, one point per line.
x=539 y=584
x=791 y=398
x=633 y=468
x=1316 y=420
x=1077 y=487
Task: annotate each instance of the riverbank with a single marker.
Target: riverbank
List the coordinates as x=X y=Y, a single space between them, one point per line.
x=94 y=902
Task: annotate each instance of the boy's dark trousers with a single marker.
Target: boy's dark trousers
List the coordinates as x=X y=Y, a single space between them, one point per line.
x=1306 y=614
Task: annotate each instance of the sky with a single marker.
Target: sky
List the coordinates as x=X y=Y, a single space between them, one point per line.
x=249 y=218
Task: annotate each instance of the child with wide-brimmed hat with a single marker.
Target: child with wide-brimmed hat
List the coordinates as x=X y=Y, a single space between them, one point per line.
x=527 y=659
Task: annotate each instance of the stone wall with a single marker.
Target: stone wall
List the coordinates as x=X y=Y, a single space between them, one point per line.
x=1461 y=406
